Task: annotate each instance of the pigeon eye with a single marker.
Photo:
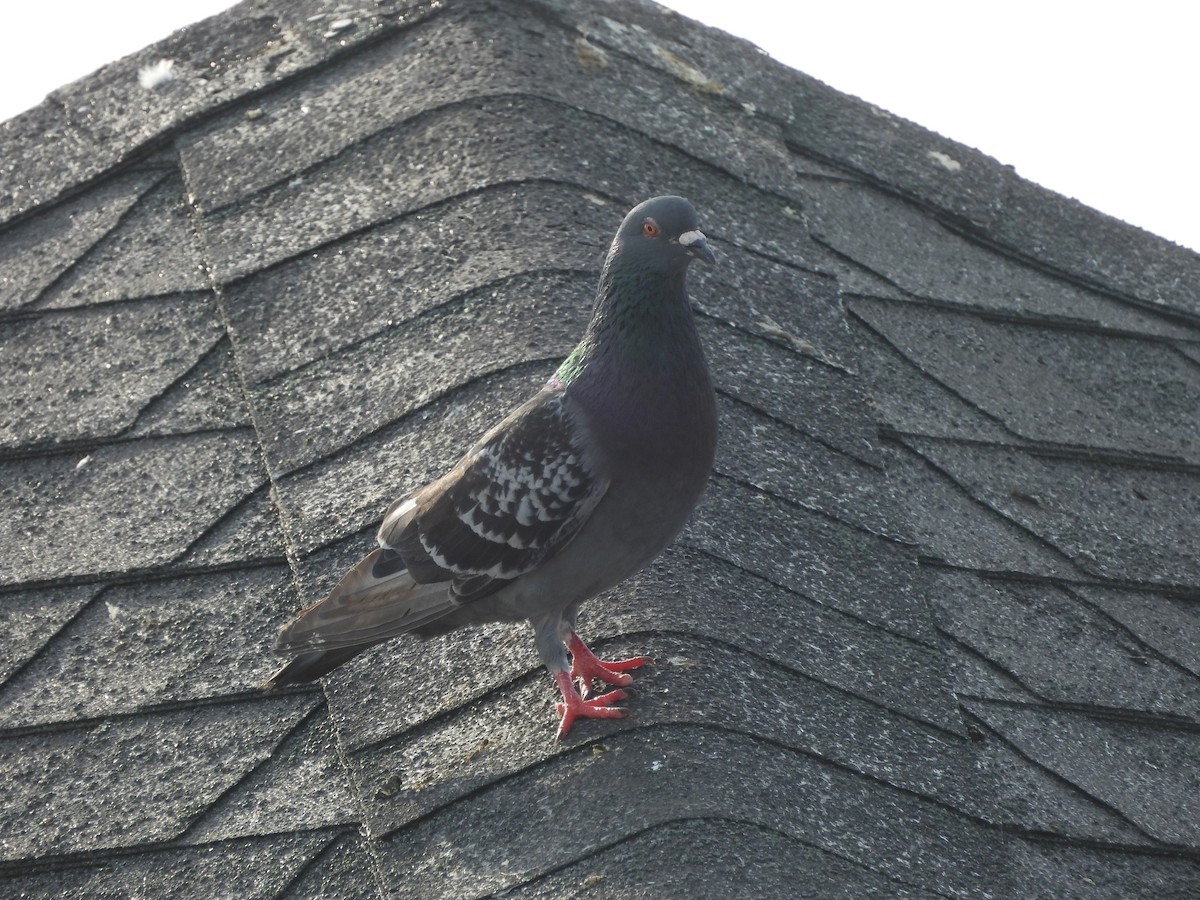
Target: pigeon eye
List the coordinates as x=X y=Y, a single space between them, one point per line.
x=650 y=228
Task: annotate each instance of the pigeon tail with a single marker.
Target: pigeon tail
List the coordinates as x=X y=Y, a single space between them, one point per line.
x=311 y=666
x=374 y=601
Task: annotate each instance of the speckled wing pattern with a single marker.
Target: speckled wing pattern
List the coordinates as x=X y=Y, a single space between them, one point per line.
x=519 y=495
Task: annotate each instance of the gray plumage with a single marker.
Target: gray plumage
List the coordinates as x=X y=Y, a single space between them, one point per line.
x=574 y=491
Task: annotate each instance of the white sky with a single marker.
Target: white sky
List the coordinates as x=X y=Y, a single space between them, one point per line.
x=1095 y=100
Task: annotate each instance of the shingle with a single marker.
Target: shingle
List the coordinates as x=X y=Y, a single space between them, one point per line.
x=759 y=450
x=953 y=527
x=907 y=399
x=169 y=641
x=28 y=619
x=41 y=249
x=725 y=859
x=1170 y=626
x=86 y=374
x=321 y=303
x=474 y=748
x=1064 y=869
x=207 y=397
x=304 y=785
x=673 y=773
x=1097 y=248
x=1052 y=384
x=1010 y=792
x=838 y=565
x=253 y=868
x=1062 y=649
x=469 y=146
x=316 y=410
x=458 y=56
x=1131 y=766
x=151 y=252
x=908 y=247
x=383 y=205
x=1122 y=521
x=128 y=782
x=685 y=593
x=120 y=507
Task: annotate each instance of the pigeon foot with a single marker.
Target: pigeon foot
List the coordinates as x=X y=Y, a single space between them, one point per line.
x=585 y=666
x=573 y=706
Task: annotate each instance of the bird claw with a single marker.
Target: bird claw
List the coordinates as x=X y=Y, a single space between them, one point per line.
x=585 y=666
x=574 y=707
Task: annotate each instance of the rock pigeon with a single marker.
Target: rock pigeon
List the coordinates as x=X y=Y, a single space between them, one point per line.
x=577 y=489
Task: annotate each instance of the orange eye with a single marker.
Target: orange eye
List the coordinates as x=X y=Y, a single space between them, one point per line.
x=650 y=228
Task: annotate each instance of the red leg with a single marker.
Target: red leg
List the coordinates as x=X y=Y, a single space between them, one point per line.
x=586 y=666
x=573 y=706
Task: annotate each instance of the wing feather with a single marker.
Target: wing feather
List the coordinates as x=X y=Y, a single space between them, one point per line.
x=514 y=500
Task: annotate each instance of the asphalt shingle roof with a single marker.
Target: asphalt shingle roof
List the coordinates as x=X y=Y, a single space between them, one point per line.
x=933 y=631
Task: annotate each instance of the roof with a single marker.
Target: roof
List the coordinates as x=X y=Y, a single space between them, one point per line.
x=933 y=631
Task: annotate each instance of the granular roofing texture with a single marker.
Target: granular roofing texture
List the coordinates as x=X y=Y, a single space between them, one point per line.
x=934 y=630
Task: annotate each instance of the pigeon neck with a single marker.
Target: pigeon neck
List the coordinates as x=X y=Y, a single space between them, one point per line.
x=641 y=322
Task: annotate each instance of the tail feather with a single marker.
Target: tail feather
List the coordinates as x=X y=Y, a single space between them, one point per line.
x=311 y=666
x=374 y=601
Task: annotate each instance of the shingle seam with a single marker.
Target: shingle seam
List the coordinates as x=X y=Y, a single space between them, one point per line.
x=961 y=226
x=52 y=638
x=958 y=486
x=980 y=657
x=204 y=357
x=1017 y=317
x=422 y=209
x=585 y=747
x=599 y=851
x=231 y=790
x=1168 y=722
x=814 y=510
x=691 y=547
x=87 y=445
x=335 y=841
x=887 y=432
x=83 y=859
x=261 y=488
x=65 y=726
x=786 y=346
x=438 y=310
x=167 y=136
x=877 y=468
x=1046 y=450
x=1078 y=279
x=147 y=575
x=538 y=364
x=1149 y=650
x=1177 y=592
x=1159 y=847
x=36 y=303
x=602 y=123
x=24 y=314
x=436 y=719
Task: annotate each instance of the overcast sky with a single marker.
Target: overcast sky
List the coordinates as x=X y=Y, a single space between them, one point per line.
x=1095 y=100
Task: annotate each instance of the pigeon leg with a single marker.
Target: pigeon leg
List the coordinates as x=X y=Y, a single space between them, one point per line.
x=573 y=706
x=585 y=666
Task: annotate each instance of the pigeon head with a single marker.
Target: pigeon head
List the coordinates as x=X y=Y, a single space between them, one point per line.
x=661 y=235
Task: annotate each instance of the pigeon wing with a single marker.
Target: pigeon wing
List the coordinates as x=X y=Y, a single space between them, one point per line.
x=514 y=500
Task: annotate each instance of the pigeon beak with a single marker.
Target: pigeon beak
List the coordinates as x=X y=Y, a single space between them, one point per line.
x=696 y=245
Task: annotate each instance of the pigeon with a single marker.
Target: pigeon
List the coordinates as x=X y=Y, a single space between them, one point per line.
x=577 y=489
